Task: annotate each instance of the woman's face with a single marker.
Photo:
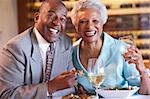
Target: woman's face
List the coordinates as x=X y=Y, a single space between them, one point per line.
x=88 y=25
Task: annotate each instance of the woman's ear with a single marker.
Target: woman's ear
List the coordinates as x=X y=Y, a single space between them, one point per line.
x=36 y=17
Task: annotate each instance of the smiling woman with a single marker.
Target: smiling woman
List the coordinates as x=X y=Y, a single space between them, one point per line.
x=31 y=64
x=89 y=27
x=88 y=17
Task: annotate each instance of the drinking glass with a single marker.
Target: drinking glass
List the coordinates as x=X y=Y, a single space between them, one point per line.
x=129 y=39
x=95 y=75
x=130 y=42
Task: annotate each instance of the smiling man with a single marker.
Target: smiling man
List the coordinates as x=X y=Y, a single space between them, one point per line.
x=23 y=60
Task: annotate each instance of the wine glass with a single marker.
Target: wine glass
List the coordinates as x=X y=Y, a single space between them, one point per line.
x=130 y=42
x=95 y=74
x=129 y=39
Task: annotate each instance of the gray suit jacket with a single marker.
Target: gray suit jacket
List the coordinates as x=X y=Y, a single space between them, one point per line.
x=21 y=68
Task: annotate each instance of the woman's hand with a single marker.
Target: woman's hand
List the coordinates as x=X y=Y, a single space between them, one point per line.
x=133 y=55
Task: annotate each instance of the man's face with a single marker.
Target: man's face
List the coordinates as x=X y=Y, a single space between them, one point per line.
x=51 y=20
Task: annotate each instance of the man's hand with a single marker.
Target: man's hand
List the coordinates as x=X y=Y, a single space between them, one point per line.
x=62 y=81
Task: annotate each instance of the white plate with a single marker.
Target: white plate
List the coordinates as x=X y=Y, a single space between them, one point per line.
x=116 y=93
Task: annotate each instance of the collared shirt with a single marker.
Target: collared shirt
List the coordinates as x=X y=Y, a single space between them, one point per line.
x=43 y=45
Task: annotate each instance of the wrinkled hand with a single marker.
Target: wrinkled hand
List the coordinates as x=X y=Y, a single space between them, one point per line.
x=65 y=80
x=133 y=55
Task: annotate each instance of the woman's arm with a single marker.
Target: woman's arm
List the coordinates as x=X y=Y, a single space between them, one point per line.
x=134 y=56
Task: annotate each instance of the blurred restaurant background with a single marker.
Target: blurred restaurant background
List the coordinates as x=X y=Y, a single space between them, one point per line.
x=126 y=17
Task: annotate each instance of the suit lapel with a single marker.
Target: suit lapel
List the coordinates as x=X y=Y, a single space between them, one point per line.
x=60 y=57
x=36 y=61
x=107 y=52
x=56 y=59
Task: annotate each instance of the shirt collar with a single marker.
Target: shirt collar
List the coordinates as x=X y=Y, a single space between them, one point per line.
x=43 y=44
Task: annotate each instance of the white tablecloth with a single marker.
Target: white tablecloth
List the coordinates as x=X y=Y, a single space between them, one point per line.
x=134 y=97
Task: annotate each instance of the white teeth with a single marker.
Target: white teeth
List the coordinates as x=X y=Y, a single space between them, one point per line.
x=90 y=33
x=53 y=30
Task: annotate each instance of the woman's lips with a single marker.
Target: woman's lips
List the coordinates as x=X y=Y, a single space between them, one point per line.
x=91 y=33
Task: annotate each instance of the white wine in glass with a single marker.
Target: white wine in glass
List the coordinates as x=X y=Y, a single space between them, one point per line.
x=95 y=74
x=96 y=79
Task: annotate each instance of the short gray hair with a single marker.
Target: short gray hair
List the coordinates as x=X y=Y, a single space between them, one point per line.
x=96 y=4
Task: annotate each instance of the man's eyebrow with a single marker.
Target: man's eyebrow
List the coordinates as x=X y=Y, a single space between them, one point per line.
x=51 y=11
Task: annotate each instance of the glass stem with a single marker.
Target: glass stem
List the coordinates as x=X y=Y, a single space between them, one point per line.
x=97 y=97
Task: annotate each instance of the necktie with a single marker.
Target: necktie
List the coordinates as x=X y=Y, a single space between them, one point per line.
x=49 y=60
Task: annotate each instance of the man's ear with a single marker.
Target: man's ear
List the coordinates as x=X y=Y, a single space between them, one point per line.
x=36 y=17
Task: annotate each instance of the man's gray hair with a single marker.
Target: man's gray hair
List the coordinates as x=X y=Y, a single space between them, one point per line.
x=96 y=4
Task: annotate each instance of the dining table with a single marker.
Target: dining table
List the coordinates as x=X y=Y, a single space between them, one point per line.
x=90 y=97
x=133 y=97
